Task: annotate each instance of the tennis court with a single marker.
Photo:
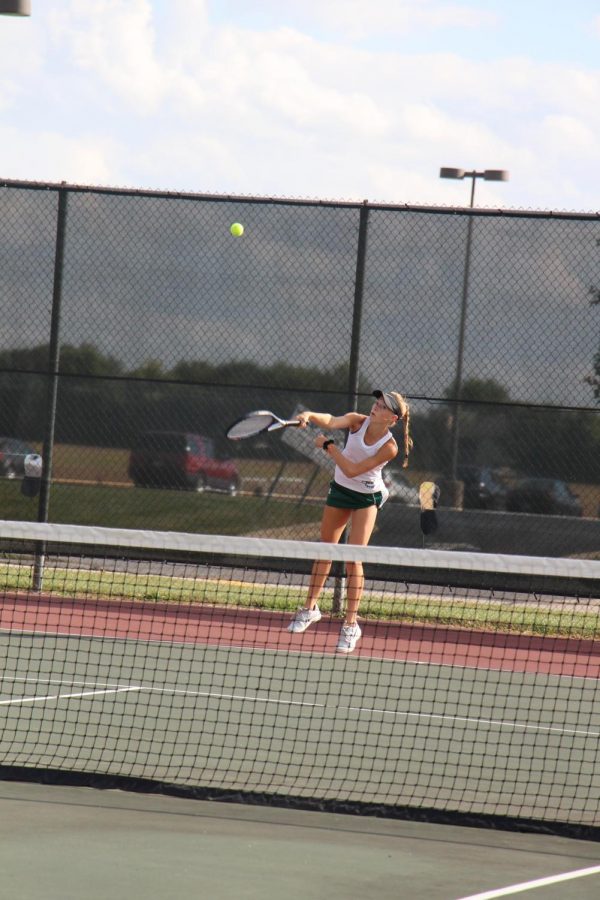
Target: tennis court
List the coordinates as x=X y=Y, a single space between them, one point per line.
x=162 y=664
x=98 y=844
x=214 y=698
x=252 y=851
x=304 y=724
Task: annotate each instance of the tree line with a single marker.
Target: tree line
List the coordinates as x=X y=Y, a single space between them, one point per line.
x=101 y=402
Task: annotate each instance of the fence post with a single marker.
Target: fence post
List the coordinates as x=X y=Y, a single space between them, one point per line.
x=52 y=385
x=359 y=282
x=339 y=587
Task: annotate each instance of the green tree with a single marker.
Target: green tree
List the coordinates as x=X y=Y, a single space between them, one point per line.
x=86 y=359
x=555 y=443
x=594 y=378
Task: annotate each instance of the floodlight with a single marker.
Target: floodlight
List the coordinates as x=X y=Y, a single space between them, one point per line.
x=452 y=173
x=495 y=175
x=15 y=7
x=487 y=175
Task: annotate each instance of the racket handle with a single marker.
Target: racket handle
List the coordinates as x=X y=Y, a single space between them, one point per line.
x=276 y=426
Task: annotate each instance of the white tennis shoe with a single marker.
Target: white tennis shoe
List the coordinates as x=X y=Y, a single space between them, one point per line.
x=349 y=635
x=304 y=618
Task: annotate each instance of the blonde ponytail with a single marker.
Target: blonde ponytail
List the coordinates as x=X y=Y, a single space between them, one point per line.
x=405 y=420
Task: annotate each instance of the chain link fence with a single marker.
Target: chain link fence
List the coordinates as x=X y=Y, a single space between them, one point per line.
x=136 y=328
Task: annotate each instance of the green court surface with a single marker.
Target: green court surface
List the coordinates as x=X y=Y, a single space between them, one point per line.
x=70 y=843
x=302 y=725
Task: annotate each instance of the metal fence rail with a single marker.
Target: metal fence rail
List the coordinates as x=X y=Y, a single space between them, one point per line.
x=132 y=311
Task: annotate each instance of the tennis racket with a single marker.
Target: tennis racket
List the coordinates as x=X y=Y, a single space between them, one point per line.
x=429 y=495
x=257 y=422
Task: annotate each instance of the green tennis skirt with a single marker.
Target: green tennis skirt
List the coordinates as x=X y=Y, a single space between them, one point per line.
x=344 y=498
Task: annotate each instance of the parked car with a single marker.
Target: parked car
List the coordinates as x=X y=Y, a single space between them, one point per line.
x=545 y=496
x=12 y=455
x=400 y=488
x=483 y=488
x=181 y=460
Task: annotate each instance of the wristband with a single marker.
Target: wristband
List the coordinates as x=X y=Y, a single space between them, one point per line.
x=326 y=444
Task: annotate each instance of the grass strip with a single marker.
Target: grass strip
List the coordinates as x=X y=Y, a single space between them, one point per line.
x=527 y=618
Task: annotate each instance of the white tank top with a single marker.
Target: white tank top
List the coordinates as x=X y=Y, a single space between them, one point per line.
x=356 y=450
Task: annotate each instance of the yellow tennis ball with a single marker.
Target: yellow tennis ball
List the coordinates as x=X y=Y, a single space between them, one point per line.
x=237 y=229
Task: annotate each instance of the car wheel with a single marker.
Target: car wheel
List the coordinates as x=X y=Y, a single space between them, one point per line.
x=10 y=473
x=232 y=487
x=199 y=484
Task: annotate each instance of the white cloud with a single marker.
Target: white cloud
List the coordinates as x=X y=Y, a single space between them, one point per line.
x=293 y=89
x=202 y=163
x=356 y=20
x=48 y=156
x=113 y=40
x=21 y=60
x=154 y=94
x=360 y=18
x=563 y=134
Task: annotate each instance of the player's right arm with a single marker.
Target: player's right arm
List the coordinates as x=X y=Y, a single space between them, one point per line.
x=350 y=420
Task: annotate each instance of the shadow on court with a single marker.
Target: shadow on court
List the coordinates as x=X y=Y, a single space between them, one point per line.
x=59 y=843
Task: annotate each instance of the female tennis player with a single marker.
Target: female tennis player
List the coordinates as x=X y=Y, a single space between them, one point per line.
x=355 y=494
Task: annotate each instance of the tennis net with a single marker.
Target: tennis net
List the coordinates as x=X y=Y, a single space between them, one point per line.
x=162 y=661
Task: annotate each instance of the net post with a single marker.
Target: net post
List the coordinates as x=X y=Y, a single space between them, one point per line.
x=37 y=574
x=338 y=604
x=52 y=385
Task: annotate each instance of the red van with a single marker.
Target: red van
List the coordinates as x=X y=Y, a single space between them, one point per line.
x=178 y=459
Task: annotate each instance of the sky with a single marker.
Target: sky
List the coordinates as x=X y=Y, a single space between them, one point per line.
x=316 y=99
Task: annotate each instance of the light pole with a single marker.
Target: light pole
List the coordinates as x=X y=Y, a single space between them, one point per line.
x=487 y=175
x=15 y=7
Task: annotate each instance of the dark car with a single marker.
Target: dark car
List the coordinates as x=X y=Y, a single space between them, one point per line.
x=545 y=496
x=12 y=455
x=483 y=488
x=400 y=488
x=181 y=460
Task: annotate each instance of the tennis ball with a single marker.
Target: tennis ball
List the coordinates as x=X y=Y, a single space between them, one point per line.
x=236 y=229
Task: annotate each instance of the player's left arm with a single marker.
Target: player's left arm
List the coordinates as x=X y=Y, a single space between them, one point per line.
x=351 y=420
x=351 y=469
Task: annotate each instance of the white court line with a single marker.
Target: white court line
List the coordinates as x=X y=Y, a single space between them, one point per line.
x=158 y=690
x=532 y=885
x=502 y=723
x=61 y=680
x=290 y=651
x=67 y=696
x=71 y=681
x=246 y=698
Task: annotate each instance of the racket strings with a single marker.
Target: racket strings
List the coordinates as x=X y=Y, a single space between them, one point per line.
x=250 y=425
